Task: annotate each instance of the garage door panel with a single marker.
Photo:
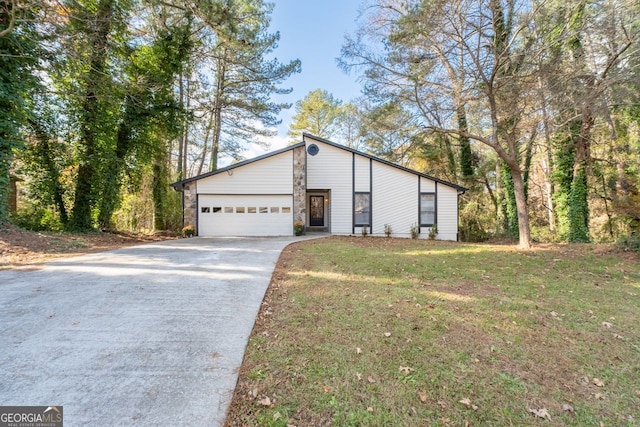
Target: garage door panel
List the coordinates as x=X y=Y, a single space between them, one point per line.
x=245 y=215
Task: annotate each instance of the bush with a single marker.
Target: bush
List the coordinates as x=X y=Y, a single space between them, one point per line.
x=472 y=231
x=415 y=231
x=37 y=219
x=188 y=231
x=630 y=243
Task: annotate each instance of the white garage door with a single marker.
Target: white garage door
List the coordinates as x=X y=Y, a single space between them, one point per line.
x=245 y=215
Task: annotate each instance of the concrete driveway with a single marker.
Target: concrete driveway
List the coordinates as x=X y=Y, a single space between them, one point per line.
x=151 y=335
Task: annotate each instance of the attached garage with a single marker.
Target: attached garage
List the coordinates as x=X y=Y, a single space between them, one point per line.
x=245 y=215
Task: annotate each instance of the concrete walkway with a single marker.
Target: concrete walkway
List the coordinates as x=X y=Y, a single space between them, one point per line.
x=151 y=335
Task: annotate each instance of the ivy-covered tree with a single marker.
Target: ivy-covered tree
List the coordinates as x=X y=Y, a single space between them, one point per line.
x=18 y=58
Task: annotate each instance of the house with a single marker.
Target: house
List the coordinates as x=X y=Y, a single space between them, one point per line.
x=327 y=186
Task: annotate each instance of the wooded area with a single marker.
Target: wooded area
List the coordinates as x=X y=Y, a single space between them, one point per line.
x=532 y=105
x=105 y=102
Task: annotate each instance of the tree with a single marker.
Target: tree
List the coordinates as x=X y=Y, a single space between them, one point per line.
x=235 y=98
x=318 y=113
x=494 y=58
x=18 y=57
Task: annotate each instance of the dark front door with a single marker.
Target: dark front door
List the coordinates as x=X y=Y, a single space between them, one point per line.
x=316 y=211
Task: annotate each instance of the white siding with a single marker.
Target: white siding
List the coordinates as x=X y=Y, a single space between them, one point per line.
x=394 y=200
x=273 y=175
x=447 y=206
x=262 y=215
x=362 y=174
x=331 y=169
x=427 y=185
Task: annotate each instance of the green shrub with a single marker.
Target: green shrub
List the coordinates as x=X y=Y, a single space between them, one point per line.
x=37 y=219
x=631 y=243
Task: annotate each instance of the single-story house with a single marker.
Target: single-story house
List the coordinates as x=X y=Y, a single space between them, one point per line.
x=326 y=186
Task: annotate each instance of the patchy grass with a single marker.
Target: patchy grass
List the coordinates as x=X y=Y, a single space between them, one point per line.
x=382 y=331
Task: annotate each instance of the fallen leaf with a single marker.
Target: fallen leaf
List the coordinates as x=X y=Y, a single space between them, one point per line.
x=599 y=396
x=265 y=401
x=584 y=380
x=442 y=404
x=598 y=382
x=620 y=337
x=606 y=325
x=371 y=380
x=276 y=416
x=567 y=408
x=370 y=409
x=327 y=389
x=554 y=314
x=423 y=396
x=406 y=369
x=358 y=376
x=387 y=334
x=465 y=402
x=358 y=350
x=413 y=411
x=541 y=413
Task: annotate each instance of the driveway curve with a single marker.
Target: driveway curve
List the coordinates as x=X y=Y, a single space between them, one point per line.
x=147 y=335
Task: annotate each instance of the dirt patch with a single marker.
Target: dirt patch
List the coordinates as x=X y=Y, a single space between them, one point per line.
x=22 y=249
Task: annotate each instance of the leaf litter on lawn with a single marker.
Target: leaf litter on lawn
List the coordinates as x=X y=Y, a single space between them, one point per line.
x=451 y=337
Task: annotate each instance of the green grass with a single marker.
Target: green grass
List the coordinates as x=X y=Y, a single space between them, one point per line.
x=377 y=332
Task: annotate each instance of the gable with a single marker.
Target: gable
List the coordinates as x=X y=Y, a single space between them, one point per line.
x=341 y=152
x=270 y=175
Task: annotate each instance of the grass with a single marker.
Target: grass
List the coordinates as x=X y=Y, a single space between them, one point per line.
x=379 y=332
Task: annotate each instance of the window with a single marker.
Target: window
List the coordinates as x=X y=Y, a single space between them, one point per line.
x=362 y=208
x=251 y=210
x=217 y=210
x=427 y=209
x=240 y=209
x=275 y=209
x=286 y=209
x=205 y=209
x=264 y=210
x=228 y=210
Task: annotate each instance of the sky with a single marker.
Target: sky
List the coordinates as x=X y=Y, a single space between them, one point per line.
x=312 y=31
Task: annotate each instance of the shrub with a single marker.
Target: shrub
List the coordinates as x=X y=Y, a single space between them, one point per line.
x=415 y=231
x=433 y=232
x=630 y=243
x=188 y=231
x=37 y=219
x=387 y=230
x=365 y=231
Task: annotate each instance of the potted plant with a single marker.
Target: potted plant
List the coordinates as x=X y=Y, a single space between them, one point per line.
x=298 y=227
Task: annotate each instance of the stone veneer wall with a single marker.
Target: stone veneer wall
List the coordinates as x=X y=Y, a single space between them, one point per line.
x=300 y=184
x=190 y=204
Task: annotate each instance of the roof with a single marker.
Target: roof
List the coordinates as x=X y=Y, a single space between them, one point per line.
x=378 y=159
x=179 y=184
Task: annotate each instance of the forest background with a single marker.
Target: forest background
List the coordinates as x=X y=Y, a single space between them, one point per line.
x=532 y=105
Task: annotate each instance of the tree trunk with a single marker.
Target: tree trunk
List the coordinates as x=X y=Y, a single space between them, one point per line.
x=85 y=186
x=180 y=170
x=217 y=112
x=521 y=203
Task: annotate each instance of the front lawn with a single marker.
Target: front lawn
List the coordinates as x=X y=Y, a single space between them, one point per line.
x=381 y=332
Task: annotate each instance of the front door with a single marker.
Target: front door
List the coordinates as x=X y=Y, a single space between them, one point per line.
x=316 y=211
